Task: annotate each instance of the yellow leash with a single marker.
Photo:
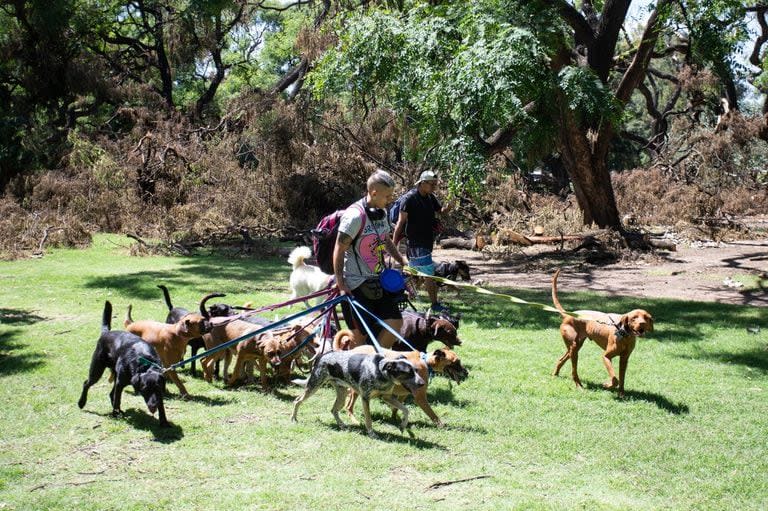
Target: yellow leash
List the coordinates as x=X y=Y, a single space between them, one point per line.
x=416 y=273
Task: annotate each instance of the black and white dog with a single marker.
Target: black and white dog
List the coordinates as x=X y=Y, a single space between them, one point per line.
x=368 y=375
x=122 y=353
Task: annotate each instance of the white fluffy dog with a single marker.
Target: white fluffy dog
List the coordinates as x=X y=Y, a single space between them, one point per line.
x=306 y=278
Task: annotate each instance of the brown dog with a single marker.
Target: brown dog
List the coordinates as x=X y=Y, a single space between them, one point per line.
x=267 y=348
x=219 y=334
x=170 y=341
x=615 y=334
x=443 y=361
x=418 y=329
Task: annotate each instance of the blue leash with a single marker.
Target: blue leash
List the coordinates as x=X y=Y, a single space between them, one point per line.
x=328 y=305
x=356 y=306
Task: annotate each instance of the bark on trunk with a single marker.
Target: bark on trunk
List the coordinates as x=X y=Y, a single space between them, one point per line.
x=584 y=155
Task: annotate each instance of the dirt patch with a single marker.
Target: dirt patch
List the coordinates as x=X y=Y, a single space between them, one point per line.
x=734 y=273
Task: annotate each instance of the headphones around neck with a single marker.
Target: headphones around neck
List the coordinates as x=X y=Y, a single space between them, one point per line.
x=374 y=214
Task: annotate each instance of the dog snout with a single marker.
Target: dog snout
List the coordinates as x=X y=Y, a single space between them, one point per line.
x=275 y=361
x=457 y=373
x=414 y=383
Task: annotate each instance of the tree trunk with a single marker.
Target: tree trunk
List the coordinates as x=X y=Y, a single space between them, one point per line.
x=584 y=153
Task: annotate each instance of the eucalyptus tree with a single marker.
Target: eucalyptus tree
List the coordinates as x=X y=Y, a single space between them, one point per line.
x=523 y=78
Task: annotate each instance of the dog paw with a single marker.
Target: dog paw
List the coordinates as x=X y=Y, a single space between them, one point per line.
x=186 y=397
x=372 y=434
x=611 y=384
x=440 y=424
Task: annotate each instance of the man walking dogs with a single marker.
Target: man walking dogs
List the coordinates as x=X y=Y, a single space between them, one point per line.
x=358 y=259
x=417 y=222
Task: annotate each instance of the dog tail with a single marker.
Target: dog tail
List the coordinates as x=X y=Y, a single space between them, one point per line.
x=203 y=311
x=106 y=317
x=343 y=339
x=167 y=296
x=128 y=318
x=554 y=294
x=297 y=256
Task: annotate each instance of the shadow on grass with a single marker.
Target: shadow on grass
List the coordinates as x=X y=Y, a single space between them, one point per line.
x=15 y=356
x=252 y=274
x=755 y=359
x=18 y=317
x=163 y=434
x=408 y=437
x=197 y=398
x=141 y=419
x=651 y=397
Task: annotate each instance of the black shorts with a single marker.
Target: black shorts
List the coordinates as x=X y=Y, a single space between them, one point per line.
x=385 y=308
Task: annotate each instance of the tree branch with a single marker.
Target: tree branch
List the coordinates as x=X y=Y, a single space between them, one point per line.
x=637 y=69
x=583 y=32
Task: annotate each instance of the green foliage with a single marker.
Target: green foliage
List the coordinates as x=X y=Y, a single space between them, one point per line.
x=587 y=96
x=453 y=72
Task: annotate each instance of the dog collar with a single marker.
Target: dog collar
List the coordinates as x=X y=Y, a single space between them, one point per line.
x=621 y=332
x=425 y=359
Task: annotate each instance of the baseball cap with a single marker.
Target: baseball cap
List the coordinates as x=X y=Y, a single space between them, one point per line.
x=427 y=175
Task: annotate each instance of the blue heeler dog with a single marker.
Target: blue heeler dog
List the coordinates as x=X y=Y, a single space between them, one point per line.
x=368 y=374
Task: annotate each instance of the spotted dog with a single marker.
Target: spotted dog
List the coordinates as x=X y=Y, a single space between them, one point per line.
x=368 y=375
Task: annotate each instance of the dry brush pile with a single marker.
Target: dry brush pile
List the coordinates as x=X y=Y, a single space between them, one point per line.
x=270 y=169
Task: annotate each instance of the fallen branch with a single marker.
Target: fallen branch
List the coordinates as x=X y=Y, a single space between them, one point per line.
x=45 y=238
x=447 y=483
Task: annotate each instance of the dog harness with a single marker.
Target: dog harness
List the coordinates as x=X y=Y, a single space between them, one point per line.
x=424 y=358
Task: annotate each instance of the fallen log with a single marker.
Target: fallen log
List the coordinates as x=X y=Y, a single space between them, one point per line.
x=476 y=243
x=663 y=244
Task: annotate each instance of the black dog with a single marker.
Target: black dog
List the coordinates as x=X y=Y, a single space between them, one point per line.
x=421 y=329
x=368 y=375
x=457 y=270
x=122 y=353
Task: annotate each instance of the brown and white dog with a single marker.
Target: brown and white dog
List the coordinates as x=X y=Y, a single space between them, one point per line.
x=442 y=361
x=170 y=341
x=615 y=334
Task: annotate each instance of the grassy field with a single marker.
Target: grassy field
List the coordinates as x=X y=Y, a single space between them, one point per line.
x=692 y=433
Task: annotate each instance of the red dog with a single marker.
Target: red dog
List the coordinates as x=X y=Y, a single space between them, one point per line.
x=616 y=334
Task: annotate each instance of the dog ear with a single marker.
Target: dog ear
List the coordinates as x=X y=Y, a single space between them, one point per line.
x=439 y=354
x=624 y=323
x=136 y=380
x=649 y=322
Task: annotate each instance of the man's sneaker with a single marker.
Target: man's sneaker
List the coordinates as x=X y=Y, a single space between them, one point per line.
x=438 y=307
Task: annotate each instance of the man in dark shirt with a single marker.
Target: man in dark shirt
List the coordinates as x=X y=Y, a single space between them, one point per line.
x=417 y=222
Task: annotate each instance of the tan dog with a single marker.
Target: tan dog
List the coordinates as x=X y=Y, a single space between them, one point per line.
x=169 y=340
x=615 y=334
x=444 y=361
x=219 y=334
x=267 y=348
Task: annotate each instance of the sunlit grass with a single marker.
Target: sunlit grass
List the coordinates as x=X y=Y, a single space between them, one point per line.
x=690 y=435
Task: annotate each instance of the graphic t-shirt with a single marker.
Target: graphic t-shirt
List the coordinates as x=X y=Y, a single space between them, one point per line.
x=365 y=257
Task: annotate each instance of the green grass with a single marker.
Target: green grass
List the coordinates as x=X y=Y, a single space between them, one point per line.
x=692 y=433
